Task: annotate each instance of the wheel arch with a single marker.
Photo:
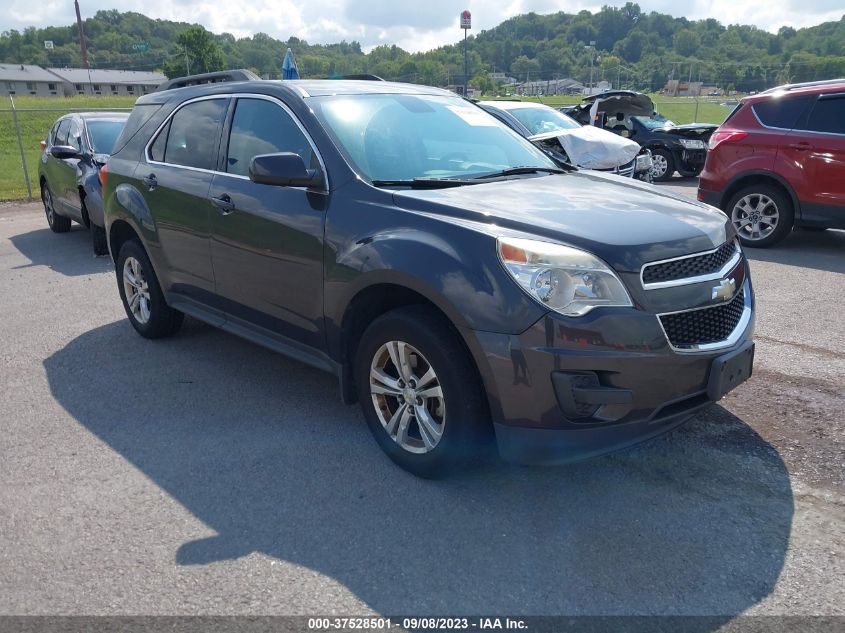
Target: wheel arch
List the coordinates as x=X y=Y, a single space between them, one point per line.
x=381 y=297
x=121 y=232
x=765 y=177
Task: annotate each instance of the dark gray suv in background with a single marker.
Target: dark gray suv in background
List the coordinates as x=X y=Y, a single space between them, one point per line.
x=454 y=279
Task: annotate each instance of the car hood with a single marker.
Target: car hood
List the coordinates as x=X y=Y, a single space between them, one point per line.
x=591 y=147
x=701 y=131
x=626 y=223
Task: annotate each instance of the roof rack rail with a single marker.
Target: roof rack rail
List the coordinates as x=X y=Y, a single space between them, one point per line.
x=361 y=77
x=240 y=74
x=805 y=84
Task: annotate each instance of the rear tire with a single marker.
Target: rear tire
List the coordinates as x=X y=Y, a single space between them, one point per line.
x=762 y=215
x=429 y=414
x=141 y=294
x=663 y=165
x=57 y=223
x=99 y=240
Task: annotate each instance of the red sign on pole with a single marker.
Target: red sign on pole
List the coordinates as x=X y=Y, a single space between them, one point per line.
x=466 y=20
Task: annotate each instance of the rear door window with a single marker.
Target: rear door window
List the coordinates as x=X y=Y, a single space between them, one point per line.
x=194 y=132
x=262 y=127
x=828 y=115
x=781 y=112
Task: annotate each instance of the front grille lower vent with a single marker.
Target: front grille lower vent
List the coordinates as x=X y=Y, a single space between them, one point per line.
x=704 y=326
x=693 y=266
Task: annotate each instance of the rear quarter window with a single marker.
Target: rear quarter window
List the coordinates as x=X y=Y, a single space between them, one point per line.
x=140 y=115
x=781 y=112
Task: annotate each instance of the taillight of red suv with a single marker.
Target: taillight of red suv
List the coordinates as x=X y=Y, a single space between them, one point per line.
x=725 y=136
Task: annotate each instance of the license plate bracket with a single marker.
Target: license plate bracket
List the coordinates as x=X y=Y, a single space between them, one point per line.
x=730 y=370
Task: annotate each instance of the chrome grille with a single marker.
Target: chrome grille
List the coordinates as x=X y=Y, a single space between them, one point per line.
x=704 y=326
x=709 y=263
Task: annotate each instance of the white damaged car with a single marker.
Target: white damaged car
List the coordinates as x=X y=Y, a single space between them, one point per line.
x=565 y=139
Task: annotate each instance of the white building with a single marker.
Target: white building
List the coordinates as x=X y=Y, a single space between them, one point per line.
x=23 y=79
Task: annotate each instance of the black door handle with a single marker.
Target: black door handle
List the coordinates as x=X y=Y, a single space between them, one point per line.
x=151 y=181
x=224 y=203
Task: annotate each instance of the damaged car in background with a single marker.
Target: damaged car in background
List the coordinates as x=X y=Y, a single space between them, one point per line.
x=681 y=148
x=566 y=141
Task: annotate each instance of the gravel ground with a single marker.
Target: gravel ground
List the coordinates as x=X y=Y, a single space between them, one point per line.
x=205 y=475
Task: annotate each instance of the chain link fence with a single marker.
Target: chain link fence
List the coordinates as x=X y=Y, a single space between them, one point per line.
x=23 y=129
x=21 y=133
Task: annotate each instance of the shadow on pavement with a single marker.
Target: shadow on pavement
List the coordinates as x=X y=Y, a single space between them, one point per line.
x=68 y=253
x=260 y=449
x=819 y=250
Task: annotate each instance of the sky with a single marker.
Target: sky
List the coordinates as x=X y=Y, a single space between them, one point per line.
x=413 y=25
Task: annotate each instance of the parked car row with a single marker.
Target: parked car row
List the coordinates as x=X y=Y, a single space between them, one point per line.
x=460 y=275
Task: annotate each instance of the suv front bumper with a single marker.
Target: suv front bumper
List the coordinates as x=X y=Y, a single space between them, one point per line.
x=629 y=384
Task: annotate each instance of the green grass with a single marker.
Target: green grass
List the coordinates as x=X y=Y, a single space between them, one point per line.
x=35 y=125
x=35 y=117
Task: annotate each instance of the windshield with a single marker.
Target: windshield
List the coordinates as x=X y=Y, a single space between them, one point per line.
x=103 y=135
x=655 y=123
x=543 y=119
x=395 y=137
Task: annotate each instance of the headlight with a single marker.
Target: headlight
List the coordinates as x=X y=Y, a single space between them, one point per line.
x=692 y=144
x=644 y=162
x=565 y=279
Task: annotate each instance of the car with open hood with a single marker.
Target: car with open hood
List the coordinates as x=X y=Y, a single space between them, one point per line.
x=75 y=149
x=458 y=282
x=681 y=148
x=565 y=140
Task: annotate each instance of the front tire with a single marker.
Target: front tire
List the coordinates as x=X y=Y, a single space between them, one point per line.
x=57 y=223
x=762 y=215
x=420 y=392
x=141 y=294
x=663 y=165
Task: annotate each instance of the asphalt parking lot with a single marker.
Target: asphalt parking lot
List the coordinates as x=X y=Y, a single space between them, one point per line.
x=205 y=475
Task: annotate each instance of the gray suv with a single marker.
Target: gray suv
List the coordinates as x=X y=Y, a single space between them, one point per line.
x=459 y=283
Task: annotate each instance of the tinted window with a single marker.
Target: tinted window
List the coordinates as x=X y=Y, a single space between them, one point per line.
x=193 y=135
x=157 y=148
x=61 y=133
x=140 y=115
x=103 y=135
x=51 y=139
x=782 y=113
x=828 y=115
x=262 y=127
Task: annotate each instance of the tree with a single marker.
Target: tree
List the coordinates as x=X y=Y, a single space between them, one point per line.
x=522 y=66
x=203 y=54
x=686 y=42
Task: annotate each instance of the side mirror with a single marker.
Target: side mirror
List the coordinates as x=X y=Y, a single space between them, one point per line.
x=284 y=169
x=65 y=152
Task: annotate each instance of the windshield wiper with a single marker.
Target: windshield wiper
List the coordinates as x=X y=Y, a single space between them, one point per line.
x=516 y=171
x=425 y=183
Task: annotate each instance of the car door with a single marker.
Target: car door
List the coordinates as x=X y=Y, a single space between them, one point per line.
x=68 y=170
x=820 y=140
x=174 y=178
x=267 y=241
x=53 y=167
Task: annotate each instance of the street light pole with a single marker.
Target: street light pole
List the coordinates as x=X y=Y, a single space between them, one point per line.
x=592 y=48
x=466 y=25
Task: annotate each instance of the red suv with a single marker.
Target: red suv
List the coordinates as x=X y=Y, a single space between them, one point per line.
x=778 y=161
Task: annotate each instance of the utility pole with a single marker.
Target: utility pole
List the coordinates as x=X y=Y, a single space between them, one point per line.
x=187 y=62
x=83 y=49
x=592 y=48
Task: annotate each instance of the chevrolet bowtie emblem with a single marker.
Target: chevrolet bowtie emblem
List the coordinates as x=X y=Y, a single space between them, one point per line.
x=724 y=291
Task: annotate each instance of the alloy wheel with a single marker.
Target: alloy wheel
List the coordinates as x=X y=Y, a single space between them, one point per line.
x=659 y=165
x=47 y=199
x=407 y=397
x=136 y=289
x=755 y=216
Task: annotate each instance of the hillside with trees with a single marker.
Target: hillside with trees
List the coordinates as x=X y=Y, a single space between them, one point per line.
x=632 y=48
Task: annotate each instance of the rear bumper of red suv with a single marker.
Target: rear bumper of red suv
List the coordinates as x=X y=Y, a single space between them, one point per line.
x=712 y=198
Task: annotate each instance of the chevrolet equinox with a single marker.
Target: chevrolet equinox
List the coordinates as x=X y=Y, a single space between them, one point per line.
x=459 y=283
